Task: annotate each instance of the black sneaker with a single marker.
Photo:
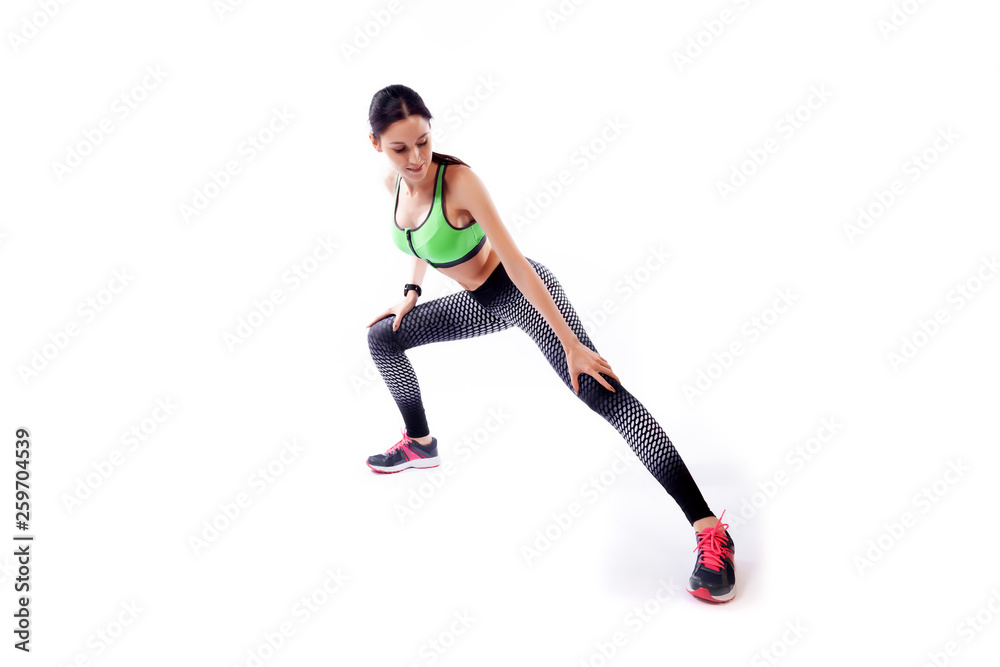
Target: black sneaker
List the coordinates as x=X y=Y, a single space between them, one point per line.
x=714 y=578
x=405 y=454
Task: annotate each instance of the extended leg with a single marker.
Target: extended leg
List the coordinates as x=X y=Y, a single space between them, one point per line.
x=620 y=408
x=452 y=317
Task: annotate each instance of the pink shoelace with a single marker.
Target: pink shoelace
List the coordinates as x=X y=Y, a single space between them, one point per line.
x=711 y=541
x=404 y=441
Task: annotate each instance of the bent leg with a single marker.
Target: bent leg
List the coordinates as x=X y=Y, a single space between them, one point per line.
x=620 y=408
x=452 y=317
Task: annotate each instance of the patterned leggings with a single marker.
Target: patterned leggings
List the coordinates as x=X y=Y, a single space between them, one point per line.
x=498 y=305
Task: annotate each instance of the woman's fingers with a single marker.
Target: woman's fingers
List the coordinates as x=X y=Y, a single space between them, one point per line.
x=606 y=368
x=387 y=312
x=603 y=382
x=597 y=365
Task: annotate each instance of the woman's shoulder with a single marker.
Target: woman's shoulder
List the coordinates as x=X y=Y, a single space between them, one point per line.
x=457 y=174
x=390 y=181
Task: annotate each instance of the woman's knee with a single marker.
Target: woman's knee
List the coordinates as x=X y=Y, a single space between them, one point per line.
x=382 y=339
x=597 y=397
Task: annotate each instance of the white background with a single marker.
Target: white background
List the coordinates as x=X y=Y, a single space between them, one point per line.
x=305 y=373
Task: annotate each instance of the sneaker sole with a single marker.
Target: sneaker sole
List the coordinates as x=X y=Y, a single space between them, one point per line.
x=431 y=462
x=703 y=594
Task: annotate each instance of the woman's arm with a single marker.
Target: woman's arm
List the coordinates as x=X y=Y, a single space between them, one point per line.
x=474 y=198
x=419 y=270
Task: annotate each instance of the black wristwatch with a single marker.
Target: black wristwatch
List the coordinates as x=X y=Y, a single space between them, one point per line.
x=408 y=286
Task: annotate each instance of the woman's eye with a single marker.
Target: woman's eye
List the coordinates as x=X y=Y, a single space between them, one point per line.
x=401 y=149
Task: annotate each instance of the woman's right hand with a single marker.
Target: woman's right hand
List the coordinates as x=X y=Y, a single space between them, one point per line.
x=400 y=309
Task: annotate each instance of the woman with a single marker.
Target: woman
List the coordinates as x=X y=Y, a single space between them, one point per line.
x=446 y=219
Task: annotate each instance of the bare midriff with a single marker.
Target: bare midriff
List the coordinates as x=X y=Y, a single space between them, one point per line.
x=472 y=273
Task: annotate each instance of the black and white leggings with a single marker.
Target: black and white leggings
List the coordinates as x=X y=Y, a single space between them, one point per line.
x=498 y=305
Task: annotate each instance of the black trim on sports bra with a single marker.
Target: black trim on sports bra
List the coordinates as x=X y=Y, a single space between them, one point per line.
x=467 y=256
x=444 y=209
x=429 y=211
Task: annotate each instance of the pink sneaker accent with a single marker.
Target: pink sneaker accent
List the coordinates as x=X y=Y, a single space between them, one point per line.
x=404 y=445
x=711 y=541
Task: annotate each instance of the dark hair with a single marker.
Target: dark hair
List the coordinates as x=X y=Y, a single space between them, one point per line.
x=397 y=102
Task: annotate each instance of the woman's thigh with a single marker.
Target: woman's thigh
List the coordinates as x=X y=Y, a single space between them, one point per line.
x=451 y=317
x=521 y=313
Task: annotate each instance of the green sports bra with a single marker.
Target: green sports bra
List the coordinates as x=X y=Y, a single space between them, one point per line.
x=436 y=240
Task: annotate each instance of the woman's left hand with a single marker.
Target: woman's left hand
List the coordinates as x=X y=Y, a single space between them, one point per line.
x=581 y=359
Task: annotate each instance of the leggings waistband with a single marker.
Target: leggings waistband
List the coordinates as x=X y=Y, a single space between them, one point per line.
x=492 y=286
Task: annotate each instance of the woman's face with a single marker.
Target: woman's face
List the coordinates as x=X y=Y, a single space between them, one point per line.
x=407 y=143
